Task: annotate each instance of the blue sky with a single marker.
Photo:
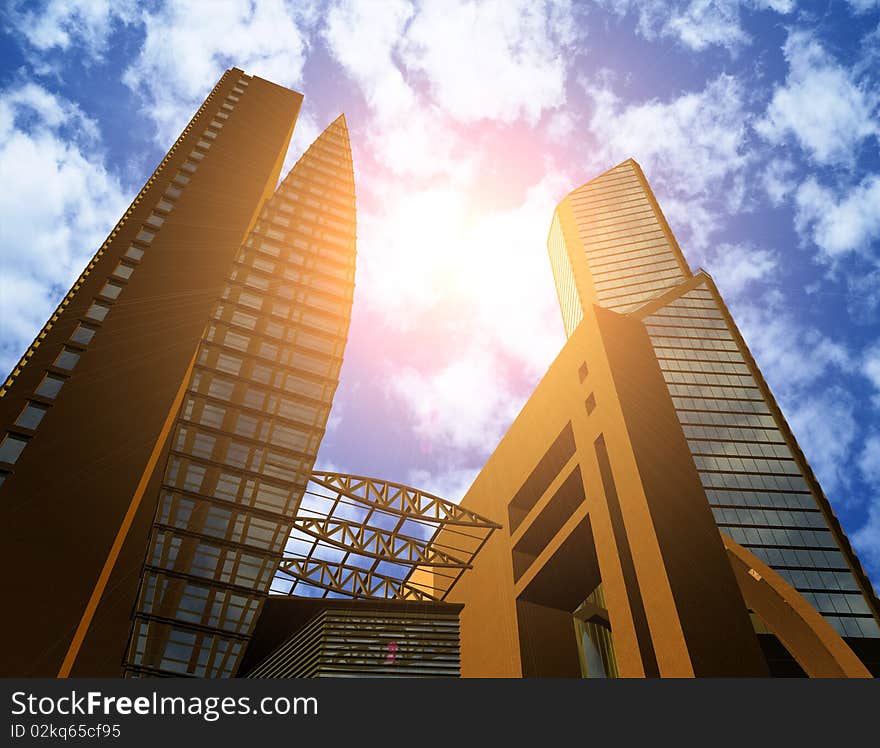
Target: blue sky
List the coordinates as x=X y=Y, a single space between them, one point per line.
x=756 y=122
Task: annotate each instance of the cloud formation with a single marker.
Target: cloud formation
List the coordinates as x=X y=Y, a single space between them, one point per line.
x=263 y=38
x=63 y=204
x=696 y=24
x=691 y=147
x=840 y=223
x=822 y=105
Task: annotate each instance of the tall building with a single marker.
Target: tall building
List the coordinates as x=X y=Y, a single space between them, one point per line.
x=158 y=433
x=612 y=238
x=652 y=431
x=248 y=429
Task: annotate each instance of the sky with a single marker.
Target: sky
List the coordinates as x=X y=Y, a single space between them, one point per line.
x=755 y=121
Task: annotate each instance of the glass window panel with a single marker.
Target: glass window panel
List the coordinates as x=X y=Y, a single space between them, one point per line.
x=11 y=447
x=123 y=271
x=50 y=386
x=111 y=290
x=82 y=335
x=67 y=359
x=30 y=417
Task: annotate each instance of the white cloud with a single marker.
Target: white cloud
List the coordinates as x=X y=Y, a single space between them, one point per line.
x=863 y=6
x=188 y=45
x=735 y=266
x=827 y=442
x=447 y=483
x=839 y=224
x=477 y=292
x=428 y=70
x=63 y=204
x=822 y=105
x=692 y=149
x=793 y=356
x=305 y=132
x=493 y=60
x=61 y=24
x=778 y=180
x=696 y=24
x=870 y=368
x=866 y=538
x=501 y=59
x=362 y=40
x=463 y=406
x=803 y=367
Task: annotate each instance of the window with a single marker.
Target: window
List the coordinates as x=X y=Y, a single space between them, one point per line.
x=181 y=178
x=228 y=107
x=134 y=253
x=123 y=271
x=111 y=290
x=50 y=386
x=31 y=416
x=173 y=191
x=11 y=447
x=203 y=445
x=583 y=371
x=189 y=166
x=67 y=359
x=82 y=335
x=590 y=403
x=97 y=312
x=196 y=155
x=165 y=205
x=210 y=134
x=145 y=236
x=232 y=97
x=212 y=416
x=222 y=115
x=203 y=144
x=215 y=123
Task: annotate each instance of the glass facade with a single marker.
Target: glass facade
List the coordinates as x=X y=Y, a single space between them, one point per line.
x=758 y=493
x=251 y=421
x=746 y=458
x=566 y=287
x=629 y=253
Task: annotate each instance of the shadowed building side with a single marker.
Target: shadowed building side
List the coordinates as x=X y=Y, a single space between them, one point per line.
x=610 y=563
x=85 y=415
x=609 y=244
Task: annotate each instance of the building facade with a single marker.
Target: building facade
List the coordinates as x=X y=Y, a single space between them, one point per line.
x=651 y=431
x=321 y=638
x=161 y=427
x=247 y=433
x=611 y=238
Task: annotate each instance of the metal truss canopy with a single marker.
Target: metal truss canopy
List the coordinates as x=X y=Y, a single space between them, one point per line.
x=402 y=500
x=361 y=537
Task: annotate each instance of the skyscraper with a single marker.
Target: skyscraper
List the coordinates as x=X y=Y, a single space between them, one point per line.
x=167 y=416
x=611 y=236
x=651 y=431
x=248 y=430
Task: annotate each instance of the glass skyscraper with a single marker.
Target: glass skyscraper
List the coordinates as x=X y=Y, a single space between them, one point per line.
x=610 y=245
x=251 y=422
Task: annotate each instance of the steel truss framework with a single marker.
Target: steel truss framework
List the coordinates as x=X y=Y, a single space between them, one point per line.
x=360 y=537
